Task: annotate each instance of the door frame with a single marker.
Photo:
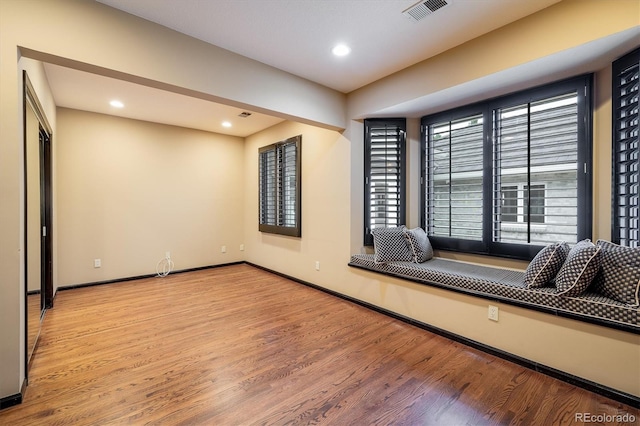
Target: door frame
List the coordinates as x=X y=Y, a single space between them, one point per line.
x=45 y=138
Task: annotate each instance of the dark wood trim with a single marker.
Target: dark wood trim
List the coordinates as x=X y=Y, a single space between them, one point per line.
x=26 y=97
x=501 y=299
x=139 y=277
x=597 y=388
x=10 y=401
x=46 y=207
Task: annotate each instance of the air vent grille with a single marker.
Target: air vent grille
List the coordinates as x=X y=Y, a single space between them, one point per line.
x=244 y=114
x=423 y=9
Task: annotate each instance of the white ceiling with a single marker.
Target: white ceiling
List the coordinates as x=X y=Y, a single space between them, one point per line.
x=91 y=92
x=295 y=36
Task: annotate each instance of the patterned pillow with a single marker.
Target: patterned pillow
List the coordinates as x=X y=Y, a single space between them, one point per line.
x=579 y=270
x=419 y=243
x=620 y=276
x=389 y=244
x=544 y=267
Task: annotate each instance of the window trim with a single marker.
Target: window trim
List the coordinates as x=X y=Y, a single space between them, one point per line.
x=292 y=231
x=401 y=124
x=583 y=85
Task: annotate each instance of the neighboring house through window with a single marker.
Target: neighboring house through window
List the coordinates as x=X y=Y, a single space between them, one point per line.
x=517 y=202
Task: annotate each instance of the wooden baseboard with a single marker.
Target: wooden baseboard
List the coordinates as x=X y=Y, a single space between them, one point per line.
x=10 y=401
x=594 y=387
x=139 y=277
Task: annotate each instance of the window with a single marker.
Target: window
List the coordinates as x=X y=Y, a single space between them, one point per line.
x=625 y=226
x=384 y=175
x=516 y=203
x=280 y=187
x=510 y=203
x=512 y=174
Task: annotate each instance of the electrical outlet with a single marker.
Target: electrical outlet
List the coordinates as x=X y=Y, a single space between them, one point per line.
x=97 y=263
x=317 y=265
x=241 y=247
x=167 y=255
x=493 y=313
x=223 y=249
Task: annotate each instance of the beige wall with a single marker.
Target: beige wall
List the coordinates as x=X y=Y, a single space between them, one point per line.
x=128 y=191
x=80 y=34
x=325 y=207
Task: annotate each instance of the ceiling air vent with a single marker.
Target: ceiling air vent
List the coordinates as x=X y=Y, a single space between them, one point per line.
x=423 y=9
x=244 y=114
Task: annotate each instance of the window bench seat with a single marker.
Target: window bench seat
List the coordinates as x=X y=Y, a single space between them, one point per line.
x=506 y=286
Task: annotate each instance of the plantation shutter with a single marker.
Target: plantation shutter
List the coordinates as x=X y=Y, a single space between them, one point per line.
x=279 y=180
x=535 y=189
x=268 y=193
x=288 y=155
x=384 y=174
x=454 y=199
x=625 y=150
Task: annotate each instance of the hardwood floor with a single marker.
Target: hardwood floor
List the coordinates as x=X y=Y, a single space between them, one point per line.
x=239 y=346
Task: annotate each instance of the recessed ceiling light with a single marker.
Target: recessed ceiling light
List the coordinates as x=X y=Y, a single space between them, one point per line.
x=116 y=104
x=226 y=124
x=341 y=50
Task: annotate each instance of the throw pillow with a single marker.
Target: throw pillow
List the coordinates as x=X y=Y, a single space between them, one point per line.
x=579 y=270
x=544 y=267
x=419 y=243
x=389 y=244
x=620 y=278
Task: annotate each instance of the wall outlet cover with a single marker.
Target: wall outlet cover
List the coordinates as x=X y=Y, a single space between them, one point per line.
x=493 y=313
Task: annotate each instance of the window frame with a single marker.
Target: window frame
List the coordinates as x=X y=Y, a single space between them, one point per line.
x=583 y=86
x=278 y=178
x=401 y=125
x=617 y=227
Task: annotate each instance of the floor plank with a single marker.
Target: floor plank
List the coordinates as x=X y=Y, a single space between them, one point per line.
x=237 y=345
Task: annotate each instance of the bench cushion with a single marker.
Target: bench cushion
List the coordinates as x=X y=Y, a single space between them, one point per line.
x=506 y=285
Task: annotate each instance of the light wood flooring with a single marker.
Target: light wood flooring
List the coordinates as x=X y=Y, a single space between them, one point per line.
x=237 y=345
